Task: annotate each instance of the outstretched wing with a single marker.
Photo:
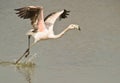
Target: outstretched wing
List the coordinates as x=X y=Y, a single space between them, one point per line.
x=29 y=12
x=51 y=18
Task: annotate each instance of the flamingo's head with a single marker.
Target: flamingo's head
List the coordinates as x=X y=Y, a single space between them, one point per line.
x=74 y=26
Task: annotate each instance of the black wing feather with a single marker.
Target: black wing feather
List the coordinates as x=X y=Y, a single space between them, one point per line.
x=64 y=14
x=26 y=12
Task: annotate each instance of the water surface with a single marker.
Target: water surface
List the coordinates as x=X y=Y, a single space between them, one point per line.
x=89 y=56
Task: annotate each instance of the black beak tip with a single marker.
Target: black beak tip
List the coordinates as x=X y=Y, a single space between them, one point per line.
x=79 y=28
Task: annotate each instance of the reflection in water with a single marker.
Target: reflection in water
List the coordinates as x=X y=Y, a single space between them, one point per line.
x=26 y=68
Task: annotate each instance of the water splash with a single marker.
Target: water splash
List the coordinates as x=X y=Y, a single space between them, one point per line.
x=25 y=67
x=29 y=61
x=26 y=62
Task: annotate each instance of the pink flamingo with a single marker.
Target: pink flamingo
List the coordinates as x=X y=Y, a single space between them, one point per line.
x=42 y=28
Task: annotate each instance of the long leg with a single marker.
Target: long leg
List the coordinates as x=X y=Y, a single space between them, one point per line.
x=27 y=52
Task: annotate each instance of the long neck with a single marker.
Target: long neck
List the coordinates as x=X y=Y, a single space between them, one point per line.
x=62 y=33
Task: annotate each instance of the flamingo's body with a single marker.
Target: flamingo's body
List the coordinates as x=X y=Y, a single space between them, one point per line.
x=42 y=28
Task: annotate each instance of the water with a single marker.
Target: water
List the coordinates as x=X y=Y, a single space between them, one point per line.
x=88 y=56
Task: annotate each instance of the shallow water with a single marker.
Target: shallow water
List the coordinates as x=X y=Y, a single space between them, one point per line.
x=88 y=56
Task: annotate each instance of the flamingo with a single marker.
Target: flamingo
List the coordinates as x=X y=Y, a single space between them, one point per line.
x=42 y=27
